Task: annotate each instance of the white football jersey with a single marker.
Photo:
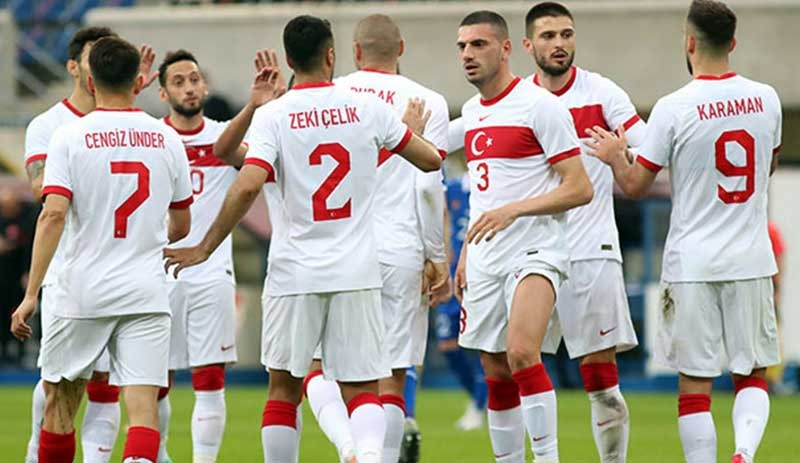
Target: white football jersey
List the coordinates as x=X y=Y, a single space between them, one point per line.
x=511 y=143
x=211 y=178
x=396 y=224
x=320 y=143
x=594 y=100
x=718 y=136
x=123 y=170
x=37 y=137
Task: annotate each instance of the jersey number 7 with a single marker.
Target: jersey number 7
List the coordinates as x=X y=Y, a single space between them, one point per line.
x=136 y=199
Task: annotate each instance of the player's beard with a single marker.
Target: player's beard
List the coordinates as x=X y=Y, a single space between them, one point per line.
x=187 y=111
x=553 y=70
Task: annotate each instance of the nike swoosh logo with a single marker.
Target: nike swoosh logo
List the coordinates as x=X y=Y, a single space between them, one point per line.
x=600 y=424
x=104 y=449
x=226 y=348
x=483 y=118
x=605 y=332
x=502 y=455
x=537 y=439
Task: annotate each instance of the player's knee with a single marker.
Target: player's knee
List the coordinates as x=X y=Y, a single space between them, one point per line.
x=521 y=355
x=208 y=378
x=100 y=376
x=495 y=365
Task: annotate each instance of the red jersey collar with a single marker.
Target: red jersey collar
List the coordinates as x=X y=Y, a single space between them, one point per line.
x=69 y=106
x=502 y=94
x=312 y=85
x=378 y=71
x=193 y=131
x=727 y=75
x=126 y=110
x=566 y=86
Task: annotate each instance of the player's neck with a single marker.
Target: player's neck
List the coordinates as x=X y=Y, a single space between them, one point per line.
x=114 y=100
x=311 y=77
x=183 y=123
x=386 y=68
x=82 y=101
x=490 y=90
x=710 y=67
x=554 y=83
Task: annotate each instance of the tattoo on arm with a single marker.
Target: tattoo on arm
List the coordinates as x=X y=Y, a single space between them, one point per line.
x=34 y=170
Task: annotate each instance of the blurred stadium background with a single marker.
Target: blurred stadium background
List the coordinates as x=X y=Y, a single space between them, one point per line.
x=636 y=43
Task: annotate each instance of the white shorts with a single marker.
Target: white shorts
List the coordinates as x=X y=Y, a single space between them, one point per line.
x=51 y=294
x=700 y=321
x=487 y=306
x=405 y=316
x=592 y=313
x=203 y=324
x=348 y=326
x=138 y=346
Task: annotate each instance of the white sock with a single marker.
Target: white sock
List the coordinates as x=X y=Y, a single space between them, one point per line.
x=325 y=399
x=99 y=431
x=299 y=429
x=539 y=412
x=137 y=460
x=37 y=416
x=368 y=424
x=610 y=424
x=750 y=416
x=208 y=424
x=164 y=415
x=507 y=433
x=698 y=437
x=395 y=419
x=279 y=442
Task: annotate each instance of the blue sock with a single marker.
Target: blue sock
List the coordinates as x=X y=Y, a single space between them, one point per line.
x=410 y=391
x=469 y=375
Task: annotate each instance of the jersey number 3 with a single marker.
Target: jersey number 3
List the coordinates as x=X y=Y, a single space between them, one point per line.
x=135 y=200
x=728 y=169
x=319 y=199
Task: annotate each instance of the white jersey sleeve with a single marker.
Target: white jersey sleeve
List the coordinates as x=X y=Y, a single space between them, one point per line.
x=619 y=111
x=654 y=152
x=181 y=182
x=37 y=139
x=555 y=130
x=57 y=178
x=263 y=147
x=429 y=187
x=455 y=134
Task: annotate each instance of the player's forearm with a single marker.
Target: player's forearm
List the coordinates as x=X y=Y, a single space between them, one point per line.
x=229 y=142
x=49 y=228
x=570 y=194
x=237 y=202
x=430 y=211
x=35 y=171
x=623 y=168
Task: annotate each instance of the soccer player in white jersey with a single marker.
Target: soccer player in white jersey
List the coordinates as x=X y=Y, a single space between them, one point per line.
x=102 y=416
x=719 y=135
x=592 y=310
x=525 y=172
x=203 y=298
x=320 y=143
x=116 y=172
x=409 y=226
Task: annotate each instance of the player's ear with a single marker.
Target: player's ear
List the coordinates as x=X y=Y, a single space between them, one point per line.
x=506 y=44
x=527 y=45
x=402 y=48
x=357 y=54
x=73 y=67
x=733 y=45
x=691 y=44
x=138 y=84
x=330 y=57
x=162 y=94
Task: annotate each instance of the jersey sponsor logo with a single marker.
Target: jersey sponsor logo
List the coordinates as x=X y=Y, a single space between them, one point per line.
x=605 y=332
x=226 y=348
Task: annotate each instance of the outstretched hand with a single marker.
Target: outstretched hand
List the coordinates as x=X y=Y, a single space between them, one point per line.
x=148 y=57
x=606 y=145
x=415 y=117
x=269 y=82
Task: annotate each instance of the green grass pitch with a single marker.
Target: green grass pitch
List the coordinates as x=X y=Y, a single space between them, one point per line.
x=654 y=434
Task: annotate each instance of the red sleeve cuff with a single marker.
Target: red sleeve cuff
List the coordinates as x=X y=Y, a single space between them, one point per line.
x=264 y=165
x=631 y=122
x=182 y=204
x=403 y=142
x=649 y=165
x=564 y=155
x=56 y=190
x=36 y=157
x=776 y=150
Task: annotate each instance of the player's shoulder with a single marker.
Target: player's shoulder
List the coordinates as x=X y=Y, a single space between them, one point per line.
x=598 y=83
x=761 y=87
x=51 y=118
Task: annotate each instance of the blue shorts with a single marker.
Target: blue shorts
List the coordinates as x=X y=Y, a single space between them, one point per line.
x=448 y=320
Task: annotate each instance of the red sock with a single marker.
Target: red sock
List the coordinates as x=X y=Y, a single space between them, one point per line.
x=689 y=404
x=163 y=391
x=56 y=448
x=102 y=392
x=599 y=376
x=210 y=378
x=279 y=413
x=142 y=442
x=392 y=399
x=532 y=380
x=503 y=394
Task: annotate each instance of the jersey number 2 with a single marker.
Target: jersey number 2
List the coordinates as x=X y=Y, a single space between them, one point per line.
x=728 y=169
x=135 y=200
x=319 y=199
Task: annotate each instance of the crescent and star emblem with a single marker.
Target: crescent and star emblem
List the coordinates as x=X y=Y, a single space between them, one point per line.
x=474 y=146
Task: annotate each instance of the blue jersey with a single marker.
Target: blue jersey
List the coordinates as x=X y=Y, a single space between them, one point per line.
x=458 y=208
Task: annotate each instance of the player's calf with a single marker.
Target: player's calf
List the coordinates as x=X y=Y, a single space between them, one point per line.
x=279 y=421
x=750 y=413
x=367 y=419
x=57 y=438
x=695 y=423
x=329 y=409
x=208 y=416
x=100 y=420
x=610 y=423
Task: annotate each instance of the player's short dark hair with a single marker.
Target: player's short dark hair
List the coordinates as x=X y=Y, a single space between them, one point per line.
x=714 y=22
x=544 y=10
x=84 y=36
x=114 y=64
x=170 y=58
x=306 y=39
x=487 y=17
